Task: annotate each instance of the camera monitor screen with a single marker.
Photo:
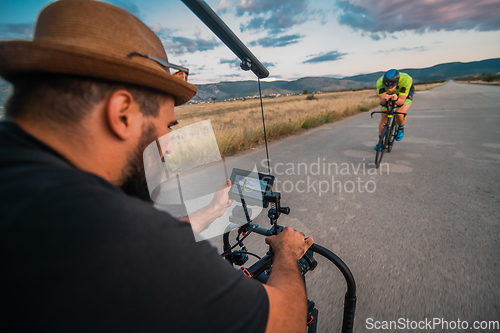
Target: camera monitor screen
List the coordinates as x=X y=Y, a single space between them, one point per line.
x=249 y=185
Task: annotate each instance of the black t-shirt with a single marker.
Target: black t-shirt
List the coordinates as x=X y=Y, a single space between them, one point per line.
x=79 y=255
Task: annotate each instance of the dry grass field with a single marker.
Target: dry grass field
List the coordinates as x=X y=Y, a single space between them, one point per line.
x=238 y=124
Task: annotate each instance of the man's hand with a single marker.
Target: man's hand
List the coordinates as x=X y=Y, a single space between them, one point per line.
x=203 y=217
x=221 y=200
x=290 y=243
x=285 y=288
x=394 y=97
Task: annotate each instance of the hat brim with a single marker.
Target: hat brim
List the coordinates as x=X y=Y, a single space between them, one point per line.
x=18 y=57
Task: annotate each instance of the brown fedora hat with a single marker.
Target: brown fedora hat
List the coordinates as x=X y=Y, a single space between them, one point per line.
x=94 y=39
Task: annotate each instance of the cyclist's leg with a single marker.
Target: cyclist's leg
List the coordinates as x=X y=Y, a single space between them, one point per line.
x=401 y=119
x=383 y=120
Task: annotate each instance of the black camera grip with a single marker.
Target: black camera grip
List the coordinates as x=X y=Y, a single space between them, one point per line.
x=349 y=310
x=350 y=296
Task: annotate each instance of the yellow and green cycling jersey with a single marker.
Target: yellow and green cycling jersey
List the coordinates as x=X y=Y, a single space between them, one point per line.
x=404 y=88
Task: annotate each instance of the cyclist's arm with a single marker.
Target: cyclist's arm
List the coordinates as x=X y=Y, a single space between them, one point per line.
x=383 y=98
x=382 y=94
x=285 y=288
x=401 y=100
x=406 y=84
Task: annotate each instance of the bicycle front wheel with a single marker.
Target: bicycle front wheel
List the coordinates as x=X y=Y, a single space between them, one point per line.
x=382 y=144
x=392 y=136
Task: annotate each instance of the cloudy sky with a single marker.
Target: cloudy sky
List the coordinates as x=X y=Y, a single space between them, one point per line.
x=298 y=38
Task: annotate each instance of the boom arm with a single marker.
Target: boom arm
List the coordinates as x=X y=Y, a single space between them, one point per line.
x=218 y=27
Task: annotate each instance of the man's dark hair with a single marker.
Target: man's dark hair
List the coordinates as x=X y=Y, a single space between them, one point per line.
x=67 y=99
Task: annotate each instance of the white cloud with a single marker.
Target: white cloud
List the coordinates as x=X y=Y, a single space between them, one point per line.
x=223 y=6
x=157 y=27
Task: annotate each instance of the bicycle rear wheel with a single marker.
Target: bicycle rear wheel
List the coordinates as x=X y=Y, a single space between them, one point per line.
x=382 y=144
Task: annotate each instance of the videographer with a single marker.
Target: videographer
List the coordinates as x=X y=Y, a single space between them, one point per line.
x=81 y=252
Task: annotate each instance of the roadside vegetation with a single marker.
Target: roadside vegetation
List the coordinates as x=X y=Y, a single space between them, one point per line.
x=481 y=79
x=238 y=124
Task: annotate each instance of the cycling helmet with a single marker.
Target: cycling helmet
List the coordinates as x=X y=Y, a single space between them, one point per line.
x=391 y=78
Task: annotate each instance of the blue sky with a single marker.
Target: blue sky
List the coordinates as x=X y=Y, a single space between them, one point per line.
x=298 y=38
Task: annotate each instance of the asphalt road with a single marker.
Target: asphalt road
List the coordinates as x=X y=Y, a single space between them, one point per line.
x=422 y=237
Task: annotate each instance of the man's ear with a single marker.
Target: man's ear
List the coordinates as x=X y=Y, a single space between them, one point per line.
x=123 y=115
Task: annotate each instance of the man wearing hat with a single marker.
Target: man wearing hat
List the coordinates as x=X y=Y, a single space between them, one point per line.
x=80 y=250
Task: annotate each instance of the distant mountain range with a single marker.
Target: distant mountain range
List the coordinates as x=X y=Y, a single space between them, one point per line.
x=228 y=90
x=240 y=89
x=444 y=71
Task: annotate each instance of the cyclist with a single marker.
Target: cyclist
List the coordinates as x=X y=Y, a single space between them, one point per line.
x=398 y=87
x=81 y=252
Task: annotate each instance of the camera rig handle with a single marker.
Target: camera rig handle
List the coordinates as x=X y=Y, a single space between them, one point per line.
x=350 y=295
x=260 y=269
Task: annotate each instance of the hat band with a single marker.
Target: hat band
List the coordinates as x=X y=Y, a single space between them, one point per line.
x=161 y=62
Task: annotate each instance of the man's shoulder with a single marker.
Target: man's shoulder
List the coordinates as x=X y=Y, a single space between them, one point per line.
x=379 y=82
x=60 y=194
x=406 y=76
x=380 y=86
x=37 y=183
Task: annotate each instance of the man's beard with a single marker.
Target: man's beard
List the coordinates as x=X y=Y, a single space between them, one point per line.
x=134 y=176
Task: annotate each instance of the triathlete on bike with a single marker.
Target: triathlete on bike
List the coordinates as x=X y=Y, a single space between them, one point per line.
x=399 y=87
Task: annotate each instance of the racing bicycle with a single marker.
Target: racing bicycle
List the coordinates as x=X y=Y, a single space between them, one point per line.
x=386 y=141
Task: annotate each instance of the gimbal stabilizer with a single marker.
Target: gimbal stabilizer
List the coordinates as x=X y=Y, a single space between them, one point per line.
x=241 y=214
x=262 y=268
